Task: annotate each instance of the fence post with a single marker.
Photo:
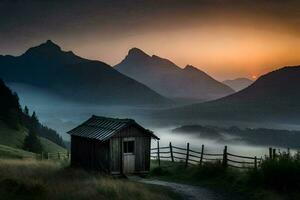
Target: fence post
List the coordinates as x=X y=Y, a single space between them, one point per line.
x=255 y=163
x=187 y=154
x=68 y=155
x=171 y=152
x=48 y=156
x=158 y=156
x=201 y=157
x=270 y=153
x=42 y=155
x=274 y=153
x=58 y=156
x=225 y=157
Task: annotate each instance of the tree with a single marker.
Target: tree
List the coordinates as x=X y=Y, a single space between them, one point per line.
x=13 y=119
x=26 y=111
x=34 y=122
x=32 y=143
x=10 y=111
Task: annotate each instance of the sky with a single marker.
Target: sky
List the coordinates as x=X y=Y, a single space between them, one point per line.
x=225 y=38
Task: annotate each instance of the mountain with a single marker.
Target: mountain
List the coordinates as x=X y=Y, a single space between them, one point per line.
x=273 y=97
x=170 y=80
x=238 y=84
x=74 y=78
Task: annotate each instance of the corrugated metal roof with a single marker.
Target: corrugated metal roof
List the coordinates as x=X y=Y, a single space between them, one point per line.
x=102 y=128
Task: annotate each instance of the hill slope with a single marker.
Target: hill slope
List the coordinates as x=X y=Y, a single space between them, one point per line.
x=11 y=141
x=15 y=123
x=274 y=96
x=74 y=78
x=238 y=84
x=11 y=152
x=170 y=80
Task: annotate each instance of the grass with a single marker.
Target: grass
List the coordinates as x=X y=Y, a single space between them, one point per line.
x=13 y=153
x=15 y=138
x=277 y=179
x=281 y=174
x=35 y=180
x=51 y=147
x=11 y=137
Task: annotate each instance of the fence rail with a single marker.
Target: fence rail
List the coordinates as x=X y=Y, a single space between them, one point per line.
x=48 y=156
x=192 y=157
x=59 y=155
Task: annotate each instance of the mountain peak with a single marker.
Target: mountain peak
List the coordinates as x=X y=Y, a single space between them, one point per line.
x=136 y=52
x=191 y=68
x=48 y=48
x=49 y=45
x=50 y=42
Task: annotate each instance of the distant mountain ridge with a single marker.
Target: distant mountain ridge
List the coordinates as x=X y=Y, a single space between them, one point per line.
x=273 y=97
x=168 y=79
x=75 y=78
x=238 y=83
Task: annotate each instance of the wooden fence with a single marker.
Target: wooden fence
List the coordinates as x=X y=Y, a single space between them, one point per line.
x=189 y=156
x=50 y=156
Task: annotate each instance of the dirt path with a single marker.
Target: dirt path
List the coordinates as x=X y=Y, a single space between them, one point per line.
x=188 y=192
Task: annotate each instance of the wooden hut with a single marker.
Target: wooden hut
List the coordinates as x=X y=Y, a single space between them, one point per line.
x=115 y=146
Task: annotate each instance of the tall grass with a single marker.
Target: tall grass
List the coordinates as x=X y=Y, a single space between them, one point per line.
x=277 y=178
x=281 y=173
x=30 y=179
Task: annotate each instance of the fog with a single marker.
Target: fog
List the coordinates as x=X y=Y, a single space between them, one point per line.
x=62 y=116
x=210 y=145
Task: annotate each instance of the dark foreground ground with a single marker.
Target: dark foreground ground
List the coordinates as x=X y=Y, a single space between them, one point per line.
x=50 y=180
x=275 y=179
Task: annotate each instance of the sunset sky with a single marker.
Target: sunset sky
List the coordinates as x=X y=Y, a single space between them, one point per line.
x=225 y=38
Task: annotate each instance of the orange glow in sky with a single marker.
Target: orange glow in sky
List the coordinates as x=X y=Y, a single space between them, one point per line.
x=223 y=52
x=226 y=39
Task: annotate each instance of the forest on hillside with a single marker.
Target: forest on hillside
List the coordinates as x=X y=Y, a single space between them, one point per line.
x=16 y=118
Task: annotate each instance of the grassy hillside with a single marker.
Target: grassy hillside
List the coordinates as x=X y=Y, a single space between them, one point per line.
x=51 y=146
x=10 y=152
x=35 y=180
x=11 y=137
x=14 y=139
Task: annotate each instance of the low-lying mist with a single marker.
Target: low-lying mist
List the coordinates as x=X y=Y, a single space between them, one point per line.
x=63 y=115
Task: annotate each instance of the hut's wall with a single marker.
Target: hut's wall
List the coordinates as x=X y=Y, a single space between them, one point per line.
x=142 y=149
x=89 y=154
x=142 y=154
x=116 y=155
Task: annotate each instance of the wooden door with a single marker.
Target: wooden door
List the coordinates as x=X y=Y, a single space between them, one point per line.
x=128 y=155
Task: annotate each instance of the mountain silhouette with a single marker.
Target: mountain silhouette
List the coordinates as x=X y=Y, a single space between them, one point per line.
x=273 y=97
x=48 y=66
x=238 y=83
x=168 y=79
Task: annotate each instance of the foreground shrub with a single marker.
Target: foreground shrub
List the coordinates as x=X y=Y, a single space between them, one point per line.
x=211 y=170
x=281 y=173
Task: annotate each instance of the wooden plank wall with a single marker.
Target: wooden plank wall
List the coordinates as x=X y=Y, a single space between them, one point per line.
x=115 y=155
x=142 y=149
x=142 y=154
x=89 y=154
